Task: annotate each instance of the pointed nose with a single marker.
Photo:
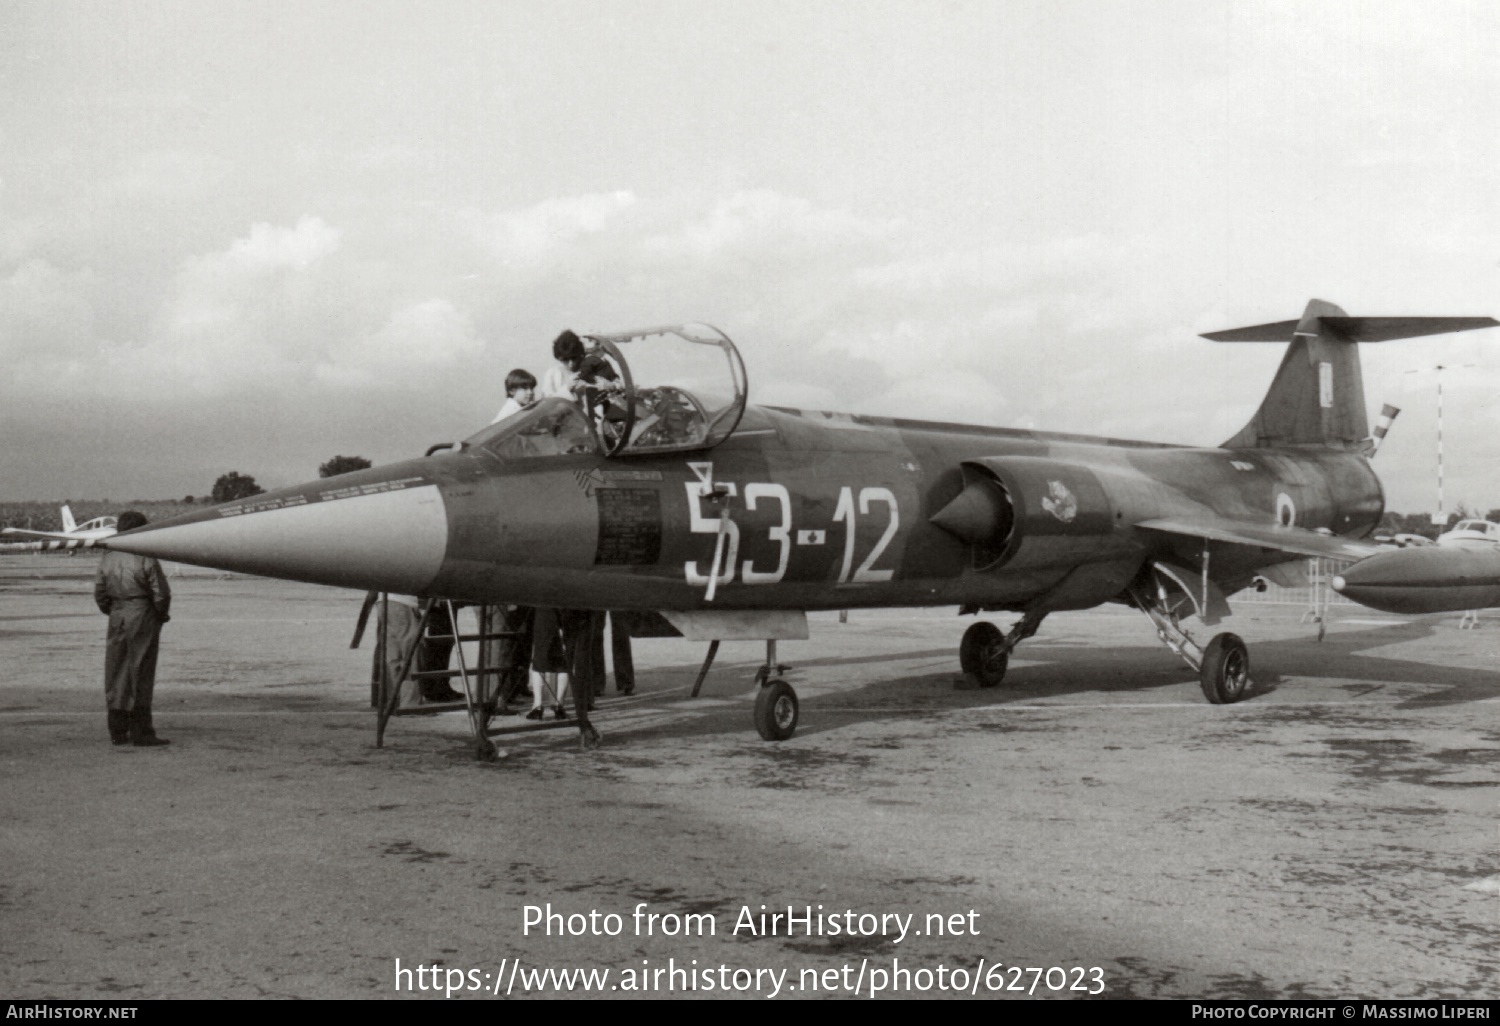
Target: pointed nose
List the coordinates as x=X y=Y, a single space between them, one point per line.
x=384 y=529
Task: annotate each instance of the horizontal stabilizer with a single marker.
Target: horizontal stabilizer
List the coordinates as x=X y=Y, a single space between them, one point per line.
x=1294 y=540
x=1358 y=329
x=1318 y=396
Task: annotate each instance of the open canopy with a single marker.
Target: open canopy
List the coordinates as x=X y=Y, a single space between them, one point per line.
x=681 y=387
x=650 y=391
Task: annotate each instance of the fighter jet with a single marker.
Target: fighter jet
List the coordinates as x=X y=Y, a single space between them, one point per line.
x=662 y=490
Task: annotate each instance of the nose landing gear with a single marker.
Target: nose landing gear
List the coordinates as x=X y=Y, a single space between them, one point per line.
x=776 y=710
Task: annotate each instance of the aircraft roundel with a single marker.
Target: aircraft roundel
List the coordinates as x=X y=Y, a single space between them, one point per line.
x=1286 y=510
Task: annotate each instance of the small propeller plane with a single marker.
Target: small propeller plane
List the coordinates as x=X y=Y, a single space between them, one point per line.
x=662 y=490
x=73 y=536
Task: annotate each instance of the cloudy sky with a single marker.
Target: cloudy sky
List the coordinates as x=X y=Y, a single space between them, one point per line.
x=253 y=235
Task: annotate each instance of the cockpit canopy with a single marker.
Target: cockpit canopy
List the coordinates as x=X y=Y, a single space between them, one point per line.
x=639 y=393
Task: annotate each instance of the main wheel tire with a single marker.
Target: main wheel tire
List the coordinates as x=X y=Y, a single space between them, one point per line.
x=982 y=655
x=776 y=711
x=1225 y=674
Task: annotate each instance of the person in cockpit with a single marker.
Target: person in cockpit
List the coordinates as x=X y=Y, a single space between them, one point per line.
x=578 y=373
x=520 y=393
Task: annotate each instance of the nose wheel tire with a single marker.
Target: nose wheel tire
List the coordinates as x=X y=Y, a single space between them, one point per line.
x=1225 y=674
x=776 y=711
x=982 y=654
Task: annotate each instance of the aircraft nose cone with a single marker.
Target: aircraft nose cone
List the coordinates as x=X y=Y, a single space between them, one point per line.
x=1338 y=583
x=384 y=529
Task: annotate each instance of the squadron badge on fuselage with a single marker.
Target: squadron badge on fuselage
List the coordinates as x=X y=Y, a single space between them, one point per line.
x=1060 y=502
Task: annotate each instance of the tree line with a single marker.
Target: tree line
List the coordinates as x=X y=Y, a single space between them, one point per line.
x=234 y=485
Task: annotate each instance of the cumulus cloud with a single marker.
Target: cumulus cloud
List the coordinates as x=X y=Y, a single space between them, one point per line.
x=424 y=337
x=269 y=247
x=535 y=235
x=317 y=322
x=246 y=314
x=839 y=311
x=831 y=309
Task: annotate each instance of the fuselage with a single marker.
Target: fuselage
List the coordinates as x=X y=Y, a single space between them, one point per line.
x=795 y=510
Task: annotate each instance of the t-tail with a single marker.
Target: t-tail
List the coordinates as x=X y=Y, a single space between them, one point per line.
x=1318 y=398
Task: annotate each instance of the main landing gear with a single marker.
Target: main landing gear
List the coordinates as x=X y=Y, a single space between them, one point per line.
x=984 y=653
x=776 y=705
x=1223 y=667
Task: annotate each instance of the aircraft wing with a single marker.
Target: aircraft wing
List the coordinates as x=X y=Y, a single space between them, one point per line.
x=63 y=535
x=50 y=545
x=1295 y=540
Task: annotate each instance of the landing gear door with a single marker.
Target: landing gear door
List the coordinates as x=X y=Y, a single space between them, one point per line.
x=681 y=388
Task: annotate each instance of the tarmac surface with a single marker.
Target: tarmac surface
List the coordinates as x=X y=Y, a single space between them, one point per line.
x=1334 y=835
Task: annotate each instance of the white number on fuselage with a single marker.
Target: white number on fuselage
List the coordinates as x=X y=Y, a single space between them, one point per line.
x=727 y=534
x=845 y=514
x=700 y=524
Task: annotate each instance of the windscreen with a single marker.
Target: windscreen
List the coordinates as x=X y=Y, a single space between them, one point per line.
x=552 y=427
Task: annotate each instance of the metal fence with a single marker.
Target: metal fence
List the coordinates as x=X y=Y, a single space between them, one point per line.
x=1317 y=592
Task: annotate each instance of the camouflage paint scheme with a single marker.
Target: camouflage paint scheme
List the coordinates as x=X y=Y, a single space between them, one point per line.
x=832 y=511
x=530 y=530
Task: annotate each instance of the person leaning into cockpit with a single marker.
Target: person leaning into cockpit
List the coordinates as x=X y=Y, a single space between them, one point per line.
x=577 y=372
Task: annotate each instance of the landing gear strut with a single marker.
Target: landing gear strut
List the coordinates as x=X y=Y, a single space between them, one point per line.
x=984 y=653
x=776 y=706
x=1223 y=667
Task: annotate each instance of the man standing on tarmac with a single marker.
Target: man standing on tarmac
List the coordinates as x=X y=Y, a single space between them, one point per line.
x=132 y=591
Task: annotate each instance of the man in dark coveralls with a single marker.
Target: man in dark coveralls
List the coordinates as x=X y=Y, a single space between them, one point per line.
x=132 y=591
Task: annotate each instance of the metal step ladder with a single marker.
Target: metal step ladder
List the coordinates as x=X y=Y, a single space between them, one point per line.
x=481 y=683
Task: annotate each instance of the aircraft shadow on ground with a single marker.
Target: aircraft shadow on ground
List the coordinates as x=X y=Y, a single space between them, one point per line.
x=1063 y=665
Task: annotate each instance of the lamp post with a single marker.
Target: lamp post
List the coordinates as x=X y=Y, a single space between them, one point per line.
x=1440 y=518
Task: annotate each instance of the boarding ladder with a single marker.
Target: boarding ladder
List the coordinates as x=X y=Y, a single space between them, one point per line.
x=481 y=683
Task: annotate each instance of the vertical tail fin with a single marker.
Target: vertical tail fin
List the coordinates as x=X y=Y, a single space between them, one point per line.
x=1318 y=397
x=67 y=518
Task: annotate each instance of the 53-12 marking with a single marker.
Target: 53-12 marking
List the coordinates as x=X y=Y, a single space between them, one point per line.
x=761 y=495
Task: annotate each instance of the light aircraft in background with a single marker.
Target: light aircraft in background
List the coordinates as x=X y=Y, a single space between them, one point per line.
x=1471 y=534
x=663 y=491
x=73 y=535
